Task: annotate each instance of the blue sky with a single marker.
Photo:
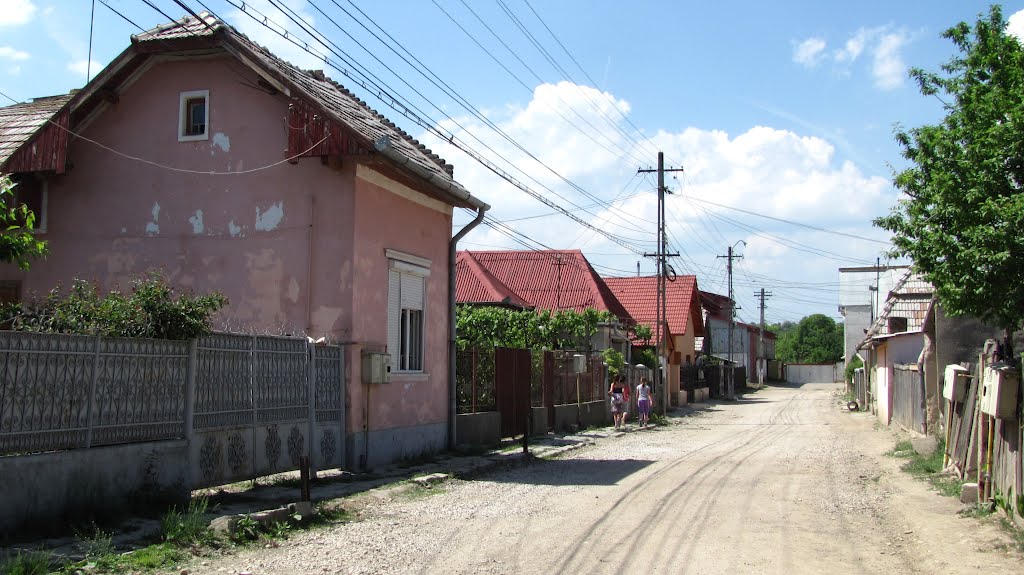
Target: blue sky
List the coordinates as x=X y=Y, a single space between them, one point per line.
x=783 y=110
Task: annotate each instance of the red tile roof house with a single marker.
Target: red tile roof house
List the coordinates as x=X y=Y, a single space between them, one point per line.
x=332 y=222
x=550 y=280
x=543 y=280
x=683 y=314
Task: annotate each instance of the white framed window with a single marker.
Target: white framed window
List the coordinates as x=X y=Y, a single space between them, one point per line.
x=194 y=116
x=407 y=275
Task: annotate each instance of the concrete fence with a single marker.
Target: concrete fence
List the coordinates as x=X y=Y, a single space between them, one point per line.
x=89 y=424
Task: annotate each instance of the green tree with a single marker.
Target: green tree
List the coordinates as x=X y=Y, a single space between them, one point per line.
x=815 y=339
x=962 y=219
x=18 y=245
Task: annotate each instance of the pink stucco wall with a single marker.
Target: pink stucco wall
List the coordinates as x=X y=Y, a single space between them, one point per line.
x=296 y=248
x=397 y=223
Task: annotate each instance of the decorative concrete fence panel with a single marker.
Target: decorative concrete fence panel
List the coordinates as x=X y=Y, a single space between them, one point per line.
x=67 y=391
x=84 y=416
x=261 y=404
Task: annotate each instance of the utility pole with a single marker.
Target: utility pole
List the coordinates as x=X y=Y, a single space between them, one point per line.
x=730 y=383
x=761 y=355
x=660 y=379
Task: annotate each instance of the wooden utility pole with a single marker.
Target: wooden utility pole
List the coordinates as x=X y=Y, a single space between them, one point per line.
x=661 y=375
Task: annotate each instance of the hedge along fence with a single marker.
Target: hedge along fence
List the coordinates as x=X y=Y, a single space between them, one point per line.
x=248 y=405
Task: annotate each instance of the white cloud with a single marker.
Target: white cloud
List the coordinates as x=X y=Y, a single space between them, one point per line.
x=855 y=45
x=16 y=12
x=8 y=53
x=888 y=67
x=83 y=66
x=1015 y=24
x=762 y=170
x=883 y=43
x=809 y=52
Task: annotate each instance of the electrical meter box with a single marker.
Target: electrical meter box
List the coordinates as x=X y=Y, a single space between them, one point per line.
x=376 y=367
x=579 y=363
x=956 y=381
x=999 y=392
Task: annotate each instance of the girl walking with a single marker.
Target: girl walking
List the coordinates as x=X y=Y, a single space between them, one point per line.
x=643 y=401
x=619 y=393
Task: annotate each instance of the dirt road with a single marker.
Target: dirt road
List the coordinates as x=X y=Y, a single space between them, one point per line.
x=782 y=481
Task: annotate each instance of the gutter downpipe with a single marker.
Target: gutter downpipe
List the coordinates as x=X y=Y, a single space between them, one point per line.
x=452 y=397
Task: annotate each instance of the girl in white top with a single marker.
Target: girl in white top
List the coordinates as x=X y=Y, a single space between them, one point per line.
x=643 y=401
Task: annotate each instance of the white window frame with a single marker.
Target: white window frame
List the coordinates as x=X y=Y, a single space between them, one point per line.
x=406 y=271
x=183 y=99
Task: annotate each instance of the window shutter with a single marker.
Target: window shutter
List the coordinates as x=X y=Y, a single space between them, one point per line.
x=394 y=316
x=412 y=292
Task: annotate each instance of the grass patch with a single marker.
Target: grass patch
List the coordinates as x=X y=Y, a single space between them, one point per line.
x=928 y=467
x=188 y=527
x=902 y=449
x=1015 y=532
x=414 y=491
x=26 y=563
x=976 y=511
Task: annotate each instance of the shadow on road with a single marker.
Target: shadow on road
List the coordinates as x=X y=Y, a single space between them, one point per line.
x=573 y=472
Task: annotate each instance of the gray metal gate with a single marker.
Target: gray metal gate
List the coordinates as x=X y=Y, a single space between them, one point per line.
x=908 y=397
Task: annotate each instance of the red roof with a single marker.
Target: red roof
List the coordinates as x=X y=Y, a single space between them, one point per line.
x=546 y=279
x=682 y=301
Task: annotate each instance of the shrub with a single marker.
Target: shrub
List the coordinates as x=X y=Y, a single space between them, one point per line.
x=152 y=310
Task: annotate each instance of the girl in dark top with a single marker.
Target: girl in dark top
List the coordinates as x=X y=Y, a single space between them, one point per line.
x=619 y=394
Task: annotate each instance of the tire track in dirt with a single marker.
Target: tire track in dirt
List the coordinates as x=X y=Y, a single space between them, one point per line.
x=680 y=495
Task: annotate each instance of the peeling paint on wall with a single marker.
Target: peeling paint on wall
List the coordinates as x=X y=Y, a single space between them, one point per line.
x=221 y=141
x=197 y=222
x=234 y=230
x=153 y=227
x=293 y=290
x=269 y=220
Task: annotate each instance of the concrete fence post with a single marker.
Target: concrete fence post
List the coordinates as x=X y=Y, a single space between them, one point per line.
x=190 y=389
x=343 y=405
x=311 y=386
x=91 y=412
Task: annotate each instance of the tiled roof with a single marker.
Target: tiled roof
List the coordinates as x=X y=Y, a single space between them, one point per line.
x=546 y=279
x=640 y=295
x=346 y=108
x=475 y=284
x=909 y=299
x=18 y=123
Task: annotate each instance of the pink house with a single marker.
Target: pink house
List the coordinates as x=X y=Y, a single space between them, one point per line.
x=201 y=153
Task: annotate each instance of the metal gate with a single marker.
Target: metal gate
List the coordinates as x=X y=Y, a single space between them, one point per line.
x=512 y=375
x=908 y=397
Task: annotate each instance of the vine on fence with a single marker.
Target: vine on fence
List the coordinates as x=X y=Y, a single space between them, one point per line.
x=528 y=329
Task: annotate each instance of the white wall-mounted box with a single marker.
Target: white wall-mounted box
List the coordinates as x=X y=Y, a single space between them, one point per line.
x=376 y=367
x=954 y=387
x=999 y=392
x=579 y=363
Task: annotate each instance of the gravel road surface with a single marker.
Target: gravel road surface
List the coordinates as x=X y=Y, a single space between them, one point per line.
x=781 y=481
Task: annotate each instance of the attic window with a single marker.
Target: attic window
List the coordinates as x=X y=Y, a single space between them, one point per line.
x=194 y=116
x=897 y=324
